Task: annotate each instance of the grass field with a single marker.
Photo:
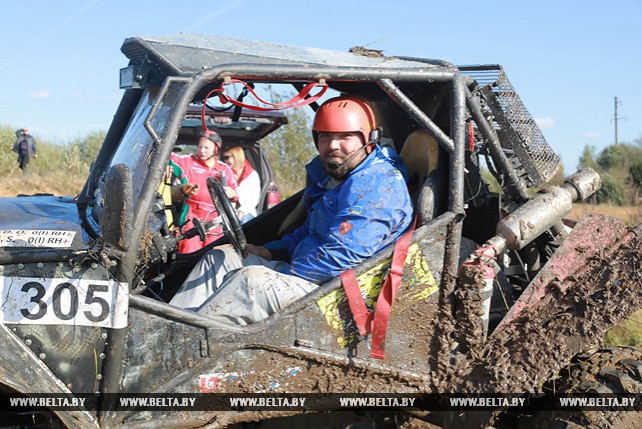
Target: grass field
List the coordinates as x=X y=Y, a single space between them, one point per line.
x=631 y=215
x=17 y=183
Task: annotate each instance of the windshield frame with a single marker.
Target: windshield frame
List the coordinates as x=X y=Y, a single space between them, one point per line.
x=143 y=143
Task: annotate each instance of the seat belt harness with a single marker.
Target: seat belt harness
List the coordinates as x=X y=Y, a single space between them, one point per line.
x=376 y=322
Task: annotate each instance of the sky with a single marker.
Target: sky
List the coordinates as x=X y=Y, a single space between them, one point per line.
x=568 y=60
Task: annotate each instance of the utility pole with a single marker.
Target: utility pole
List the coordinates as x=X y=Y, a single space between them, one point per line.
x=615 y=117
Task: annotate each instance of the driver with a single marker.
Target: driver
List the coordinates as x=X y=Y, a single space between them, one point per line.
x=196 y=168
x=357 y=203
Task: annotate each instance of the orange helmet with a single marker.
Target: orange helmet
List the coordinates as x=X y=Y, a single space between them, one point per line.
x=344 y=114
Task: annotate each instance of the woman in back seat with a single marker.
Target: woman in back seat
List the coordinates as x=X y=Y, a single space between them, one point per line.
x=249 y=183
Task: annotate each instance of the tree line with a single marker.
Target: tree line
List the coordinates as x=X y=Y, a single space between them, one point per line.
x=288 y=150
x=620 y=167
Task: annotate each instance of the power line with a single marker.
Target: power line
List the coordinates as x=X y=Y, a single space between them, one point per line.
x=615 y=117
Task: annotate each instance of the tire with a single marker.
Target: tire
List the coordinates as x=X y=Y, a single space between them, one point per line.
x=608 y=371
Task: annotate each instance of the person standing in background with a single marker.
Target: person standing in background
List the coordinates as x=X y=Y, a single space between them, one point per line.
x=25 y=147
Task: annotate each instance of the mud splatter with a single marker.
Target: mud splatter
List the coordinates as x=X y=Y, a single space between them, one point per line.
x=520 y=356
x=468 y=307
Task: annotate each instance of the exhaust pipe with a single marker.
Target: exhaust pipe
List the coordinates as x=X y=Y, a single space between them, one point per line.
x=542 y=212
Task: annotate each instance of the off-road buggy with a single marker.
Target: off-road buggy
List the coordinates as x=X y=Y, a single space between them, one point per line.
x=499 y=294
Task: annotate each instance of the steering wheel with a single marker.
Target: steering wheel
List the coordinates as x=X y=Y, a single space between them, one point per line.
x=231 y=224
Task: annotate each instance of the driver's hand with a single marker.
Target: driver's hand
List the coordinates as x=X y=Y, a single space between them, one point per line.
x=260 y=251
x=231 y=193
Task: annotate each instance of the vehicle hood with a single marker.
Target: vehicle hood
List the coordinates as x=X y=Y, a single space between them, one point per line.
x=44 y=221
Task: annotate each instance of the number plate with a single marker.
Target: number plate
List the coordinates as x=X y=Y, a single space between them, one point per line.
x=40 y=301
x=36 y=238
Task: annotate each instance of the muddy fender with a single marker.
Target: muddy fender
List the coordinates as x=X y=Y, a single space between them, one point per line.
x=584 y=289
x=117 y=215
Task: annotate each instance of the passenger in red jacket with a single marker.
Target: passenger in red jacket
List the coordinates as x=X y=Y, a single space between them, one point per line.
x=197 y=168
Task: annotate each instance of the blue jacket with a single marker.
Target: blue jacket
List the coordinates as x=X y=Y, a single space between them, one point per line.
x=368 y=211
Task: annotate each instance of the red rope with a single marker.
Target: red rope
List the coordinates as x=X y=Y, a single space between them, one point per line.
x=296 y=101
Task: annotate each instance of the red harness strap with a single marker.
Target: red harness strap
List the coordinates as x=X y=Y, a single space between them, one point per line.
x=360 y=313
x=376 y=322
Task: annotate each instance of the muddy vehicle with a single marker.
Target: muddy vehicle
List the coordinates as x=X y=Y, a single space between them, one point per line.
x=498 y=294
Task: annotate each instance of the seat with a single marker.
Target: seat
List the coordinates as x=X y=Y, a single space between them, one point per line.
x=420 y=153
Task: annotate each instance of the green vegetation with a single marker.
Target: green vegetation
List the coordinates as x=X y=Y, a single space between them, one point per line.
x=627 y=333
x=621 y=169
x=60 y=168
x=290 y=148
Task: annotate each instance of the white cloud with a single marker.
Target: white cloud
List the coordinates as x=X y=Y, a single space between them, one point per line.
x=96 y=98
x=591 y=135
x=39 y=95
x=545 y=123
x=99 y=98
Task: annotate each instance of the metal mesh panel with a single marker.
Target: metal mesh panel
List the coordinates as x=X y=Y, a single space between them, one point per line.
x=518 y=132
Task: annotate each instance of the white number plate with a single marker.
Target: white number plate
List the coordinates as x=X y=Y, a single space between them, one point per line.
x=35 y=238
x=40 y=301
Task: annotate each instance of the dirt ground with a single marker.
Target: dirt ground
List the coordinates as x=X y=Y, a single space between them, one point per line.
x=16 y=184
